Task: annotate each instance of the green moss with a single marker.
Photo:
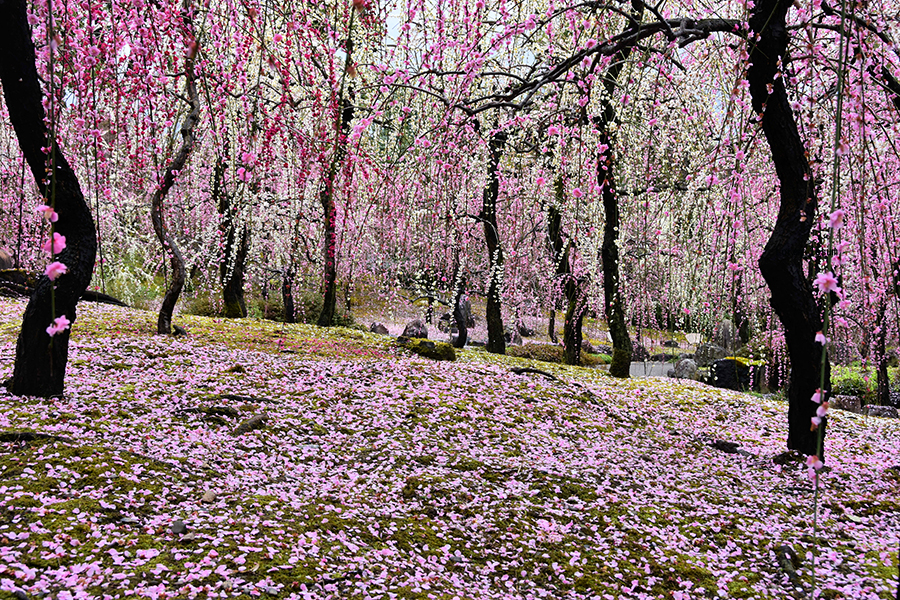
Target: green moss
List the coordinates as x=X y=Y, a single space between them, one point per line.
x=430 y=349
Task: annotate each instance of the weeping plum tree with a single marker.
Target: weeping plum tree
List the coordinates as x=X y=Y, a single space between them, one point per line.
x=41 y=358
x=488 y=216
x=157 y=213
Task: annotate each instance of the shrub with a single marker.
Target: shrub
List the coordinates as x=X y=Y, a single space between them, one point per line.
x=429 y=349
x=554 y=354
x=850 y=381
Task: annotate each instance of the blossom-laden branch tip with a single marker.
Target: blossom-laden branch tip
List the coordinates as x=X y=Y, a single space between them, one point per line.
x=48 y=213
x=55 y=269
x=59 y=325
x=59 y=244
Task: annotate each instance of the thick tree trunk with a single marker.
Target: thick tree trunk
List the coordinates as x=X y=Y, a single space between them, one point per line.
x=496 y=342
x=781 y=262
x=40 y=365
x=560 y=258
x=157 y=209
x=287 y=296
x=234 y=251
x=551 y=326
x=329 y=212
x=881 y=355
x=572 y=328
x=459 y=316
x=613 y=301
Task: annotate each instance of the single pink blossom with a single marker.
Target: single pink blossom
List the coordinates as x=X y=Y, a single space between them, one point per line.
x=814 y=462
x=59 y=325
x=59 y=244
x=816 y=421
x=836 y=219
x=55 y=269
x=818 y=396
x=822 y=410
x=820 y=338
x=826 y=282
x=553 y=130
x=540 y=181
x=48 y=212
x=576 y=192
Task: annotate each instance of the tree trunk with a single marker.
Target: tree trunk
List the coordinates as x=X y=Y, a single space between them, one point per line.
x=164 y=322
x=329 y=211
x=287 y=296
x=551 y=326
x=884 y=381
x=496 y=342
x=560 y=259
x=781 y=263
x=40 y=365
x=574 y=319
x=235 y=248
x=459 y=317
x=613 y=301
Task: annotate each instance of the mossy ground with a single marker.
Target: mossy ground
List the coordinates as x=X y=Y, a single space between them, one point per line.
x=381 y=474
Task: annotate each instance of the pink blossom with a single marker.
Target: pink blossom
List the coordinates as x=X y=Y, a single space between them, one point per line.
x=55 y=269
x=836 y=219
x=820 y=338
x=822 y=410
x=576 y=192
x=553 y=130
x=59 y=244
x=49 y=213
x=817 y=397
x=826 y=282
x=814 y=462
x=59 y=325
x=540 y=181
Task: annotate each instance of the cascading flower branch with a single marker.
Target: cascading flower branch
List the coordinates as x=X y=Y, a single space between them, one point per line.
x=55 y=244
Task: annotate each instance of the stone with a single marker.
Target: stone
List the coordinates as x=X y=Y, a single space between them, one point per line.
x=6 y=261
x=707 y=353
x=209 y=497
x=671 y=344
x=848 y=403
x=603 y=350
x=725 y=446
x=178 y=527
x=525 y=330
x=379 y=328
x=429 y=349
x=179 y=330
x=686 y=369
x=895 y=399
x=729 y=374
x=251 y=424
x=512 y=336
x=444 y=324
x=415 y=329
x=587 y=347
x=638 y=352
x=887 y=412
x=726 y=336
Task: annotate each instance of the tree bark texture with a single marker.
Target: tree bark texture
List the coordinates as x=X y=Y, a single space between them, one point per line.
x=41 y=359
x=329 y=212
x=287 y=296
x=157 y=208
x=781 y=263
x=613 y=301
x=496 y=342
x=235 y=248
x=459 y=316
x=560 y=259
x=572 y=328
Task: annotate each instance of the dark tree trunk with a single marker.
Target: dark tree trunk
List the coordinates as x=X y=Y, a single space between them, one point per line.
x=496 y=342
x=459 y=316
x=40 y=365
x=781 y=263
x=157 y=212
x=572 y=328
x=613 y=301
x=287 y=296
x=560 y=259
x=881 y=355
x=329 y=211
x=234 y=253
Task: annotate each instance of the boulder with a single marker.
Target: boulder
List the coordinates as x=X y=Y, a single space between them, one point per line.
x=895 y=399
x=429 y=349
x=415 y=329
x=670 y=344
x=729 y=374
x=706 y=354
x=887 y=412
x=586 y=346
x=444 y=323
x=726 y=336
x=603 y=350
x=6 y=261
x=686 y=369
x=512 y=336
x=525 y=330
x=379 y=328
x=848 y=403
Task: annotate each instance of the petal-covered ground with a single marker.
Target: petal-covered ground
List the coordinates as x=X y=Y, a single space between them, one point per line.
x=377 y=474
